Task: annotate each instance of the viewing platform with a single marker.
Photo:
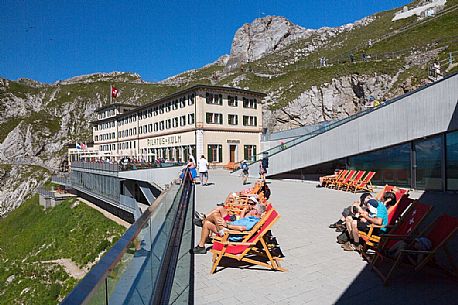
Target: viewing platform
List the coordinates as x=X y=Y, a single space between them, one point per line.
x=319 y=271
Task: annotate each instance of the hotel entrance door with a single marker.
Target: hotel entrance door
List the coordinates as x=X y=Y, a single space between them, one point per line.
x=232 y=150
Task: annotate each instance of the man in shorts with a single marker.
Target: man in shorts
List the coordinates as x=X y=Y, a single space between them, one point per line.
x=203 y=170
x=371 y=212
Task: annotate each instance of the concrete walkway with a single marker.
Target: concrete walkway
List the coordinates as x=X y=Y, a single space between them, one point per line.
x=319 y=271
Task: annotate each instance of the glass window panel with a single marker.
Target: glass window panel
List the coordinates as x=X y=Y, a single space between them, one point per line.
x=452 y=160
x=391 y=164
x=428 y=164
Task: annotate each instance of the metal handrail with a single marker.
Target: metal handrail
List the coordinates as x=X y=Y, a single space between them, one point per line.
x=98 y=275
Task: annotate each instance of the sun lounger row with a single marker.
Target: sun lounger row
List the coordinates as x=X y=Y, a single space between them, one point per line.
x=403 y=242
x=349 y=180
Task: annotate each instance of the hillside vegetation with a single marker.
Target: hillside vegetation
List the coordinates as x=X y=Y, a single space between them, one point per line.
x=31 y=237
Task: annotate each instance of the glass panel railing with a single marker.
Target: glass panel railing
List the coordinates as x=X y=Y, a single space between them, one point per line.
x=118 y=167
x=138 y=268
x=324 y=128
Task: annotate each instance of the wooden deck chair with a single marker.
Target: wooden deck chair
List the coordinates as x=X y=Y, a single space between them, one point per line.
x=356 y=179
x=439 y=232
x=341 y=175
x=365 y=184
x=386 y=188
x=405 y=228
x=347 y=177
x=247 y=250
x=330 y=177
x=401 y=208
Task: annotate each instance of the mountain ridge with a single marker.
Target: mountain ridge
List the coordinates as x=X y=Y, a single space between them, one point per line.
x=328 y=75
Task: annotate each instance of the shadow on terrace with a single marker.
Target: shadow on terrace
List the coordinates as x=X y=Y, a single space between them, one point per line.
x=430 y=285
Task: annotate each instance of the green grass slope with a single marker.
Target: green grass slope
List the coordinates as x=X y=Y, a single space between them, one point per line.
x=31 y=235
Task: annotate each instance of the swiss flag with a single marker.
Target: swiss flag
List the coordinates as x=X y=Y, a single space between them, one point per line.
x=114 y=92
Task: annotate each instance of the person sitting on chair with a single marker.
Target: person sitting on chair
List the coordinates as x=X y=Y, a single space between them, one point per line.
x=215 y=222
x=372 y=212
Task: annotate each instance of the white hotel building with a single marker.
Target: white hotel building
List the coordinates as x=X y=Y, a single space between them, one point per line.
x=222 y=123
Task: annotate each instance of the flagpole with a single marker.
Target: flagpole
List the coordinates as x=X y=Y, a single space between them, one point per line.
x=111 y=94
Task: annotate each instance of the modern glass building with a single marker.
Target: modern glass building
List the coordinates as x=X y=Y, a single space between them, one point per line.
x=411 y=141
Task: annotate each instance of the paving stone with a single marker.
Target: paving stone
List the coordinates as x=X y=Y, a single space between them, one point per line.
x=319 y=271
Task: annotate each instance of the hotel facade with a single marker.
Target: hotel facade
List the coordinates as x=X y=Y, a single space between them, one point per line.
x=222 y=123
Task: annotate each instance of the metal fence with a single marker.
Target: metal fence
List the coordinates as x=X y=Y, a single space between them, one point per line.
x=119 y=167
x=151 y=262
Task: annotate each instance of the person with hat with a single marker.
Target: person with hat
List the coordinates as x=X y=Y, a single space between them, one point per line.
x=216 y=222
x=245 y=169
x=371 y=212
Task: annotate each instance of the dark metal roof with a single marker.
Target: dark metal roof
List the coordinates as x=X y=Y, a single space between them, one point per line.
x=114 y=105
x=176 y=94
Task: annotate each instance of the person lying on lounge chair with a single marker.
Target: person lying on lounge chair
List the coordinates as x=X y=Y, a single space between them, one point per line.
x=349 y=211
x=372 y=212
x=215 y=223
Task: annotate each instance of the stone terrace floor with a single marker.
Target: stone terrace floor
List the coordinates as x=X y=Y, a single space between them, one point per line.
x=319 y=271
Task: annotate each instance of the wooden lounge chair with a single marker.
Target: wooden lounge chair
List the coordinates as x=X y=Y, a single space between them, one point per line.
x=341 y=175
x=328 y=178
x=365 y=184
x=356 y=179
x=248 y=250
x=386 y=188
x=439 y=232
x=403 y=229
x=347 y=177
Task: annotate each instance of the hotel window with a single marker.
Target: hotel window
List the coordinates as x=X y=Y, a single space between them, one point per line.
x=215 y=99
x=232 y=101
x=249 y=152
x=175 y=105
x=250 y=121
x=250 y=103
x=96 y=138
x=191 y=118
x=168 y=123
x=168 y=106
x=161 y=109
x=150 y=113
x=232 y=119
x=156 y=126
x=215 y=153
x=156 y=111
x=175 y=122
x=119 y=134
x=113 y=135
x=182 y=102
x=191 y=98
x=134 y=131
x=130 y=131
x=161 y=125
x=134 y=118
x=214 y=118
x=182 y=120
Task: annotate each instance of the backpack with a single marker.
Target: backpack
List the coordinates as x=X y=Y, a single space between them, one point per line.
x=245 y=167
x=265 y=163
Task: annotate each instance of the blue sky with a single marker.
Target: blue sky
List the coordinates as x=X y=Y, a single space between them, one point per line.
x=55 y=40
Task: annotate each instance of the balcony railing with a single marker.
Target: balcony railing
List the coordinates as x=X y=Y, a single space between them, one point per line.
x=150 y=263
x=118 y=167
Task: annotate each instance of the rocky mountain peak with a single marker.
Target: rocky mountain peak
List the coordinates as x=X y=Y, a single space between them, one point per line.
x=263 y=35
x=125 y=77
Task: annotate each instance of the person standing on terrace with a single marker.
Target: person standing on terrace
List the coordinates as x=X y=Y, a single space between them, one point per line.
x=203 y=170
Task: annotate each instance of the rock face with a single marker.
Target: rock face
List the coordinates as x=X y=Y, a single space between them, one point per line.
x=340 y=98
x=263 y=35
